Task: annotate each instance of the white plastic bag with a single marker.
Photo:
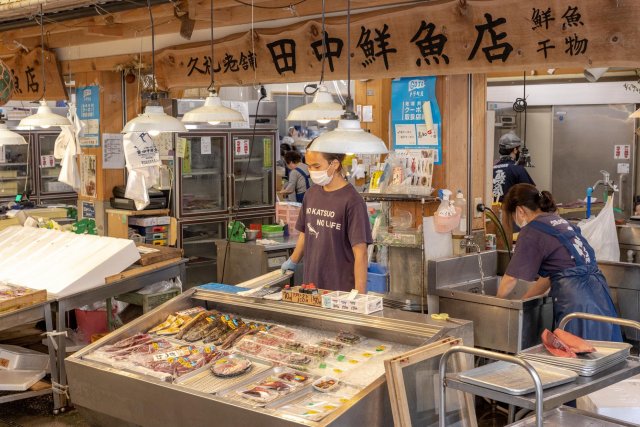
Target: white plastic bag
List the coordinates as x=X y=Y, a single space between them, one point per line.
x=602 y=235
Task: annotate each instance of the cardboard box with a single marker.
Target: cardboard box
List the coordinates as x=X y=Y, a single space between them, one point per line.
x=15 y=297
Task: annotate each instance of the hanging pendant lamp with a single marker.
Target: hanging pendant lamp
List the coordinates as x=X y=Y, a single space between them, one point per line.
x=154 y=120
x=635 y=114
x=8 y=137
x=44 y=117
x=348 y=137
x=322 y=109
x=212 y=112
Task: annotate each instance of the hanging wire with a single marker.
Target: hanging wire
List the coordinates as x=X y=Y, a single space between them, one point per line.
x=348 y=49
x=44 y=75
x=311 y=89
x=211 y=87
x=253 y=48
x=153 y=47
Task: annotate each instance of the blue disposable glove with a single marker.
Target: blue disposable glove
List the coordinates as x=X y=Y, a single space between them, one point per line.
x=288 y=265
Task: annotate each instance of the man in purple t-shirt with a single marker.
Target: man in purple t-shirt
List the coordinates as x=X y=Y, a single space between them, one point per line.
x=334 y=229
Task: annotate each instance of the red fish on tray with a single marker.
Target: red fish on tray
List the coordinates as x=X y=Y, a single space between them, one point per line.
x=561 y=343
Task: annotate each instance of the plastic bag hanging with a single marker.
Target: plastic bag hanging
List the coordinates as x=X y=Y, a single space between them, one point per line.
x=143 y=161
x=601 y=234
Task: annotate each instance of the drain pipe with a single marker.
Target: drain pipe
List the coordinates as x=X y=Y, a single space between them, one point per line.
x=470 y=208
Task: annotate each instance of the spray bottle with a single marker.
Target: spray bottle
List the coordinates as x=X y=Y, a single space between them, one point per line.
x=461 y=207
x=446 y=217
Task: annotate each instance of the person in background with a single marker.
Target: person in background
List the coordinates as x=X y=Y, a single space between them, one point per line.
x=334 y=229
x=299 y=178
x=552 y=252
x=506 y=171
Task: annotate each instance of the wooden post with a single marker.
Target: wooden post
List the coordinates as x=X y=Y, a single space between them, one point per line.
x=111 y=110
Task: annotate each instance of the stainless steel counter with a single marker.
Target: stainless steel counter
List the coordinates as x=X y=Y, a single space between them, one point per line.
x=508 y=325
x=113 y=397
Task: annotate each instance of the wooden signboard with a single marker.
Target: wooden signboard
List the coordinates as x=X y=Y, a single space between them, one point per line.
x=298 y=297
x=27 y=76
x=450 y=37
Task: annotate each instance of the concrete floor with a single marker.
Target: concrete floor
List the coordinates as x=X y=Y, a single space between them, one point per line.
x=37 y=412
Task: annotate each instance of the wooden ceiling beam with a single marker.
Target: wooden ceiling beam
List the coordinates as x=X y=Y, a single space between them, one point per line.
x=131 y=23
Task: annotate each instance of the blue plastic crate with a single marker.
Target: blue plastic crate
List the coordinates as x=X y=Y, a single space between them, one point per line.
x=377 y=278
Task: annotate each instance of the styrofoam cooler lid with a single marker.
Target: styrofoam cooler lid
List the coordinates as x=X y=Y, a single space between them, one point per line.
x=20 y=358
x=19 y=380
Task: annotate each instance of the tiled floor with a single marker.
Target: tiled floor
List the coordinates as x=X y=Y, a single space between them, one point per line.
x=37 y=412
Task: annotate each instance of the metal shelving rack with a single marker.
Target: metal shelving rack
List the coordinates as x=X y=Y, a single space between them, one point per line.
x=545 y=404
x=387 y=199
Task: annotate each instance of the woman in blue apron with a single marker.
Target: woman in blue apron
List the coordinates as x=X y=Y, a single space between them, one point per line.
x=553 y=253
x=299 y=178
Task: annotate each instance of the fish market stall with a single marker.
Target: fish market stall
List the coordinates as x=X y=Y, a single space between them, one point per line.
x=207 y=356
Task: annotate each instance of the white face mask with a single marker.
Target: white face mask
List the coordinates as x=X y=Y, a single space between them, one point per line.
x=321 y=178
x=524 y=222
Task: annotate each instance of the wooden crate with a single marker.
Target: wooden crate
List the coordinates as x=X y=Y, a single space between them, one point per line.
x=161 y=253
x=30 y=297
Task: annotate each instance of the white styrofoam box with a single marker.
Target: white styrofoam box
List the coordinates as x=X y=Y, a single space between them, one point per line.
x=620 y=401
x=62 y=263
x=365 y=304
x=19 y=380
x=149 y=221
x=19 y=358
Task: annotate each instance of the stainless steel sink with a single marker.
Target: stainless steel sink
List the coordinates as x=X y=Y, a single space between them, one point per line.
x=500 y=324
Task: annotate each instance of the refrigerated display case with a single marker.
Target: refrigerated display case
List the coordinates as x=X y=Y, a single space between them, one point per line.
x=34 y=164
x=221 y=174
x=253 y=170
x=203 y=175
x=15 y=170
x=149 y=394
x=48 y=168
x=197 y=239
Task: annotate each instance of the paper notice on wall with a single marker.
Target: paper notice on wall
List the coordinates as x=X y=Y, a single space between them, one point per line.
x=88 y=166
x=47 y=161
x=164 y=143
x=181 y=147
x=112 y=151
x=405 y=134
x=205 y=145
x=427 y=136
x=622 y=152
x=243 y=108
x=428 y=116
x=367 y=113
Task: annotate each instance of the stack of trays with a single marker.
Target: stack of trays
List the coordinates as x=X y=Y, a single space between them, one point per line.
x=513 y=379
x=607 y=354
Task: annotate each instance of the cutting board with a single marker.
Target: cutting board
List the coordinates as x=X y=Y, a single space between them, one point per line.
x=156 y=253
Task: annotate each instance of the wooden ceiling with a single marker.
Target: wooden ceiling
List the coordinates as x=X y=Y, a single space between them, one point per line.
x=134 y=23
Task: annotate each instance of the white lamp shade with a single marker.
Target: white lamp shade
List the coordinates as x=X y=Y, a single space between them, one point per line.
x=635 y=114
x=154 y=120
x=212 y=111
x=323 y=108
x=8 y=137
x=44 y=118
x=348 y=138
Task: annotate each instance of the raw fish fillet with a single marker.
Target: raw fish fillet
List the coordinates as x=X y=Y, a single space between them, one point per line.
x=555 y=346
x=576 y=344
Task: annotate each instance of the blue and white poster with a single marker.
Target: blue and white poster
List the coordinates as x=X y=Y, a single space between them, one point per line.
x=415 y=115
x=88 y=100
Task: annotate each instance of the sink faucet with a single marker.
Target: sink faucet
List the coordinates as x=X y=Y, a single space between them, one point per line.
x=606 y=181
x=469 y=242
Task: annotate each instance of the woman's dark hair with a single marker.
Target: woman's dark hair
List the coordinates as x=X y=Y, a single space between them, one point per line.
x=292 y=157
x=527 y=195
x=329 y=157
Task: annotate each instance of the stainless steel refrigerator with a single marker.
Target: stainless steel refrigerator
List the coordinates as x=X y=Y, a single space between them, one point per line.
x=588 y=139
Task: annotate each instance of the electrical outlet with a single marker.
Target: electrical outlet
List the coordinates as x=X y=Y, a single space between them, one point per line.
x=477 y=201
